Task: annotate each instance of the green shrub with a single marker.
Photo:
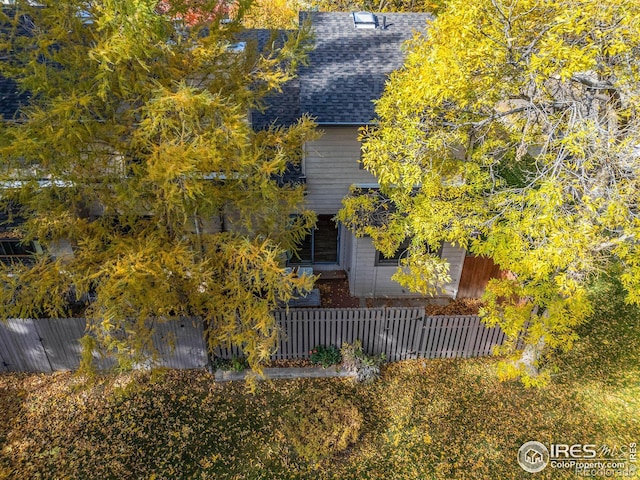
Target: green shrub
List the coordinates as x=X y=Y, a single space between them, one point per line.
x=325 y=356
x=366 y=367
x=321 y=426
x=235 y=364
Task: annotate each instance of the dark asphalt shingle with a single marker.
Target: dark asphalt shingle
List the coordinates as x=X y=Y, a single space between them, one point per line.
x=349 y=66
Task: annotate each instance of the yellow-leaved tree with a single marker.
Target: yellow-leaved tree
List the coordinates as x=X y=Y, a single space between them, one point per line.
x=428 y=6
x=513 y=130
x=273 y=14
x=136 y=167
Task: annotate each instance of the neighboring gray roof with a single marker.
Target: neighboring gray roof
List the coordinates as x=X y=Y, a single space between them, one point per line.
x=281 y=108
x=11 y=99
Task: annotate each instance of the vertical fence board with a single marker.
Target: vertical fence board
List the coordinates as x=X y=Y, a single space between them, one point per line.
x=416 y=337
x=434 y=332
x=333 y=326
x=388 y=334
x=481 y=341
x=3 y=363
x=438 y=338
x=471 y=332
x=398 y=331
x=454 y=347
x=304 y=334
x=464 y=342
x=379 y=337
x=452 y=350
x=426 y=334
x=454 y=332
x=486 y=340
x=449 y=332
x=413 y=343
x=407 y=336
x=492 y=340
x=443 y=337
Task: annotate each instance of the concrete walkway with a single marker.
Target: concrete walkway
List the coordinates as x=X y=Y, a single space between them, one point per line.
x=287 y=373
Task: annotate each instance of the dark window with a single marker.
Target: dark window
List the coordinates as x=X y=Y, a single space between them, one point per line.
x=14 y=251
x=321 y=245
x=382 y=259
x=394 y=260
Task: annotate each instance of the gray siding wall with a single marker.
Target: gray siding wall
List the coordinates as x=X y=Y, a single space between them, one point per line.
x=368 y=280
x=331 y=166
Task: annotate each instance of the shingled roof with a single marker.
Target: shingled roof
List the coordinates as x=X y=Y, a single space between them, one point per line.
x=346 y=71
x=348 y=67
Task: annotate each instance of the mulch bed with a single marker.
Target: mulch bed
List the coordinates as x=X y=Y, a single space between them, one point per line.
x=463 y=306
x=335 y=294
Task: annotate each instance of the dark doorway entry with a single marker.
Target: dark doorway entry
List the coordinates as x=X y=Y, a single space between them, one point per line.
x=321 y=245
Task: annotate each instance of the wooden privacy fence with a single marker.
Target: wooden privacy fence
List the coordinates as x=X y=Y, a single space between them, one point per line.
x=47 y=345
x=399 y=333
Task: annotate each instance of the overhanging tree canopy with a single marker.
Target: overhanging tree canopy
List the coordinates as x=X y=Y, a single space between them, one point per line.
x=513 y=130
x=140 y=127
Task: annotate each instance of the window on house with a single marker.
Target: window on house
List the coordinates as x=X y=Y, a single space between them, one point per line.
x=13 y=250
x=320 y=246
x=394 y=260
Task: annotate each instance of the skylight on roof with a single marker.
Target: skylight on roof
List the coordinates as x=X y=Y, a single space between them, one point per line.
x=365 y=20
x=237 y=47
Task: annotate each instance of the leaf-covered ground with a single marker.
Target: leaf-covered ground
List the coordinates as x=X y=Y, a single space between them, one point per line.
x=437 y=419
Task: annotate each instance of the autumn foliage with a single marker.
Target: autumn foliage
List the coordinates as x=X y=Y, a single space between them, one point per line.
x=513 y=131
x=159 y=199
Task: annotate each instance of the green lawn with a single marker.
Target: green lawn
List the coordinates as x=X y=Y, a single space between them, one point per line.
x=436 y=419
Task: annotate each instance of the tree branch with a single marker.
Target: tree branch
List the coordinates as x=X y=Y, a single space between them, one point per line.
x=590 y=82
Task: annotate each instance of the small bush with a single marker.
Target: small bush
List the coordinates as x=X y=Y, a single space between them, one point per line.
x=366 y=368
x=235 y=364
x=325 y=356
x=321 y=426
